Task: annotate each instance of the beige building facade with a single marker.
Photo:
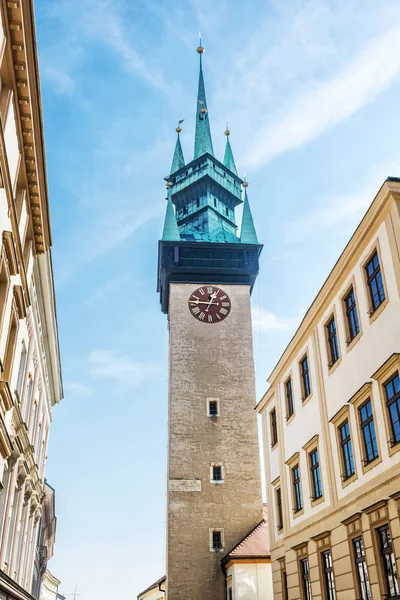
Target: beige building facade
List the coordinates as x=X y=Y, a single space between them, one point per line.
x=331 y=427
x=30 y=373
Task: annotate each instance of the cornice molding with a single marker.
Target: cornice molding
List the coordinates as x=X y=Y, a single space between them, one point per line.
x=20 y=30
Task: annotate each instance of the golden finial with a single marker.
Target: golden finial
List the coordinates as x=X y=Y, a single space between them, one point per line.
x=179 y=128
x=227 y=132
x=245 y=183
x=169 y=184
x=203 y=110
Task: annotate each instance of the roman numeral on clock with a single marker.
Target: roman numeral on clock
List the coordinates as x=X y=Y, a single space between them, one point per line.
x=209 y=304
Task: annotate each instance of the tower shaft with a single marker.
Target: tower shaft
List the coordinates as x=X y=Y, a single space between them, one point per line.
x=209 y=362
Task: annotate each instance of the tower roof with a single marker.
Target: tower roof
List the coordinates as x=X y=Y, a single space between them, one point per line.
x=229 y=161
x=248 y=233
x=178 y=160
x=203 y=141
x=170 y=231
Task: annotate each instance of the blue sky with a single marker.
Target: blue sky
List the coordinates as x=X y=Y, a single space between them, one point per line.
x=311 y=93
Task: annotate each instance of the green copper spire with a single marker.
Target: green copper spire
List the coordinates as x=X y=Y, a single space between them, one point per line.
x=248 y=232
x=178 y=161
x=202 y=142
x=229 y=161
x=170 y=232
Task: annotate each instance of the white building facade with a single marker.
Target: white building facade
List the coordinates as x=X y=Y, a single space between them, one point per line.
x=30 y=373
x=331 y=427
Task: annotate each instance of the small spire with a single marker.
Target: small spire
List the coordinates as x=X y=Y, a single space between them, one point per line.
x=229 y=161
x=170 y=231
x=248 y=233
x=202 y=141
x=178 y=160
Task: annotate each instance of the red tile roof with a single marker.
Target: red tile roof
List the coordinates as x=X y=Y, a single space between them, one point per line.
x=254 y=545
x=156 y=584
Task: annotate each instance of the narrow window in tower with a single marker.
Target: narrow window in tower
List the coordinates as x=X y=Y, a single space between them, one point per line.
x=198 y=202
x=217 y=473
x=213 y=407
x=227 y=211
x=216 y=540
x=215 y=202
x=185 y=210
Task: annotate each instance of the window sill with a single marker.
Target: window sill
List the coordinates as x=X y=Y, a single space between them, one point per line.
x=305 y=400
x=392 y=449
x=332 y=368
x=317 y=501
x=368 y=466
x=290 y=419
x=378 y=311
x=217 y=482
x=274 y=446
x=353 y=342
x=298 y=513
x=216 y=549
x=349 y=480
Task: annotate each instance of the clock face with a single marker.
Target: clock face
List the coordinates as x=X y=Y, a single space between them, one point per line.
x=209 y=304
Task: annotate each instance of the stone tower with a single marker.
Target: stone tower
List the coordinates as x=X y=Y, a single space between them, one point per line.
x=205 y=277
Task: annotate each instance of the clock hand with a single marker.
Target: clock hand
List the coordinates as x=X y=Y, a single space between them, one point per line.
x=200 y=302
x=212 y=297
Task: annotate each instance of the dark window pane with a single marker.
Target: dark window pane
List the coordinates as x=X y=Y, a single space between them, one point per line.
x=388 y=561
x=392 y=389
x=352 y=315
x=375 y=283
x=305 y=376
x=332 y=342
x=279 y=508
x=274 y=431
x=298 y=500
x=217 y=473
x=289 y=399
x=368 y=431
x=216 y=540
x=347 y=450
x=213 y=408
x=305 y=576
x=328 y=575
x=361 y=568
x=316 y=475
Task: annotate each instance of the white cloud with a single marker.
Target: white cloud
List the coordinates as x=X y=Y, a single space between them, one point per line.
x=344 y=209
x=122 y=368
x=104 y=22
x=326 y=104
x=266 y=321
x=78 y=389
x=59 y=76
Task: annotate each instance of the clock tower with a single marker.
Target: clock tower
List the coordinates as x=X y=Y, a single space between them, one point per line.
x=206 y=272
